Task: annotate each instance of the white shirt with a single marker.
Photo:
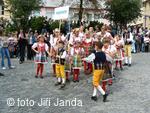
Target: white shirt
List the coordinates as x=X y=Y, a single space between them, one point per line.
x=131 y=38
x=107 y=34
x=88 y=40
x=74 y=39
x=77 y=39
x=63 y=56
x=81 y=35
x=90 y=58
x=30 y=40
x=53 y=41
x=111 y=49
x=119 y=43
x=36 y=45
x=73 y=50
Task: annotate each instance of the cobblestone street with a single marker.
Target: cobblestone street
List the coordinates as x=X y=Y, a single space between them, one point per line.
x=130 y=92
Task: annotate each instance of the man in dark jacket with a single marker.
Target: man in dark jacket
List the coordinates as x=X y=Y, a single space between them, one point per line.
x=22 y=42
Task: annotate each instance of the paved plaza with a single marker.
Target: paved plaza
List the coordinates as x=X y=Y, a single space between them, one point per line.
x=20 y=92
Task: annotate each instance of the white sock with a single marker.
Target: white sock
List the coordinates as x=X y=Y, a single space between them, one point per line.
x=101 y=90
x=130 y=60
x=63 y=80
x=126 y=60
x=94 y=91
x=59 y=79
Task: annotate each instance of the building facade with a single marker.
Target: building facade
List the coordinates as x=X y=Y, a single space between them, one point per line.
x=3 y=11
x=90 y=13
x=144 y=20
x=146 y=13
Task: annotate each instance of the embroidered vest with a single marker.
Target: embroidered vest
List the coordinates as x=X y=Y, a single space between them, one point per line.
x=100 y=59
x=59 y=60
x=41 y=49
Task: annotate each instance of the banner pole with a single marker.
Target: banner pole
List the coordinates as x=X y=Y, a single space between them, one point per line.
x=60 y=25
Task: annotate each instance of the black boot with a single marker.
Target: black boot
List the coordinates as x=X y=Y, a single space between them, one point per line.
x=62 y=86
x=77 y=80
x=1 y=74
x=94 y=98
x=74 y=81
x=41 y=77
x=57 y=83
x=105 y=98
x=121 y=68
x=125 y=64
x=67 y=80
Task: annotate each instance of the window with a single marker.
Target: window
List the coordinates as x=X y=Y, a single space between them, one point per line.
x=1 y=7
x=49 y=13
x=76 y=16
x=89 y=17
x=96 y=16
x=1 y=10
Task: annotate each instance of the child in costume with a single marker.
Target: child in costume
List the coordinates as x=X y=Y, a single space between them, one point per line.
x=119 y=55
x=146 y=42
x=81 y=32
x=54 y=39
x=68 y=64
x=76 y=53
x=99 y=59
x=128 y=38
x=110 y=51
x=75 y=36
x=40 y=58
x=60 y=62
x=88 y=46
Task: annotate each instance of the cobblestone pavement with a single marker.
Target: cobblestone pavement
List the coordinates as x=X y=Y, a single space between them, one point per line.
x=130 y=92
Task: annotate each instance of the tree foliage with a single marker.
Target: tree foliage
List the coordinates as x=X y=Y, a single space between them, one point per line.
x=21 y=10
x=123 y=12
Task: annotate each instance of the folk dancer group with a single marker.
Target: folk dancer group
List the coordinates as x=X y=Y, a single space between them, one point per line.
x=95 y=51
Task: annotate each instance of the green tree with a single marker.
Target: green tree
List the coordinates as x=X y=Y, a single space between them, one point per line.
x=37 y=23
x=122 y=12
x=21 y=10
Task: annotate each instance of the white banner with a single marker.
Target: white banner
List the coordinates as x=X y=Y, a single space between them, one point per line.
x=61 y=13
